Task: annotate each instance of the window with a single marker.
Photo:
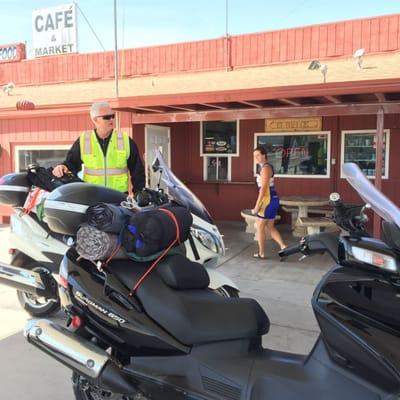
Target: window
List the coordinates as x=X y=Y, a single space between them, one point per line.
x=359 y=147
x=44 y=155
x=217 y=168
x=219 y=137
x=300 y=154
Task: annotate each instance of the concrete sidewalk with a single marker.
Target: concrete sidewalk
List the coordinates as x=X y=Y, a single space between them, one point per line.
x=283 y=289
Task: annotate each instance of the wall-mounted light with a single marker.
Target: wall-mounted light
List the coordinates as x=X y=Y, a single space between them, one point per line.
x=315 y=64
x=359 y=55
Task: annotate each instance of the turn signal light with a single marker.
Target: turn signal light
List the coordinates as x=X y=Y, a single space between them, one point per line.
x=11 y=251
x=374 y=258
x=76 y=322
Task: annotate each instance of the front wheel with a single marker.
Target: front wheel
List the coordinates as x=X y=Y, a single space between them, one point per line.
x=84 y=390
x=227 y=291
x=38 y=306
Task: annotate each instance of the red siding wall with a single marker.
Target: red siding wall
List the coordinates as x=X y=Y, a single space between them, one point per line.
x=226 y=200
x=378 y=34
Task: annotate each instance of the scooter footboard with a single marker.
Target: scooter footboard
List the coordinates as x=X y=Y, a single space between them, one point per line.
x=38 y=283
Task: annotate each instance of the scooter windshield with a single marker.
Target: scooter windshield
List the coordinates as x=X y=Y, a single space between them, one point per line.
x=384 y=207
x=178 y=191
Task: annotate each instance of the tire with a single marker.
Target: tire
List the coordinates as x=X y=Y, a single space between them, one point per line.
x=227 y=291
x=84 y=390
x=37 y=306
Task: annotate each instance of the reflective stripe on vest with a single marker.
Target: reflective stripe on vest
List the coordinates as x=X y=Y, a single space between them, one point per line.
x=110 y=170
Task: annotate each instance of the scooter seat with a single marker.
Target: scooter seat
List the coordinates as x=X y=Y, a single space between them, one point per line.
x=186 y=308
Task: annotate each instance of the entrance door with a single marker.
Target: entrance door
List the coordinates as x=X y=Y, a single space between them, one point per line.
x=156 y=137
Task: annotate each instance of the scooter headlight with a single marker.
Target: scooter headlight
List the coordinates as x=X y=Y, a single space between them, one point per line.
x=209 y=240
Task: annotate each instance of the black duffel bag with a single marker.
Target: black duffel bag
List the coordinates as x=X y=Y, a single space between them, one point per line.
x=150 y=232
x=43 y=178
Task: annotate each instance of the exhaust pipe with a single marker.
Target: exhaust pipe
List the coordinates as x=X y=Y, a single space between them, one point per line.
x=78 y=354
x=38 y=283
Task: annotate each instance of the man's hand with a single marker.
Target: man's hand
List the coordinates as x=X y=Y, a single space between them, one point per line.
x=59 y=170
x=254 y=211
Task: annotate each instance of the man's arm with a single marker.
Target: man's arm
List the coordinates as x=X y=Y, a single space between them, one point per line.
x=136 y=167
x=73 y=159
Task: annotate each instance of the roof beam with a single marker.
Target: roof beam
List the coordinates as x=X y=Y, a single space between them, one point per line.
x=381 y=97
x=290 y=102
x=270 y=112
x=213 y=106
x=250 y=103
x=181 y=108
x=333 y=99
x=155 y=110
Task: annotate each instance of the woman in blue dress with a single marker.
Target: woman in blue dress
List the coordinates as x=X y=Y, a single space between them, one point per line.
x=267 y=204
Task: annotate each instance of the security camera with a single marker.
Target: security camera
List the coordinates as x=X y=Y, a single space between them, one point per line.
x=8 y=88
x=359 y=55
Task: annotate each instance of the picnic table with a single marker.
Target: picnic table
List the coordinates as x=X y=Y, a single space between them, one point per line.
x=301 y=206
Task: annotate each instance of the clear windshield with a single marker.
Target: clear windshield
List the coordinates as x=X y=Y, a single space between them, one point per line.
x=179 y=192
x=370 y=194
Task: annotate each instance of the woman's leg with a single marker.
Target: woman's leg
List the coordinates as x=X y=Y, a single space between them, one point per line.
x=261 y=223
x=275 y=235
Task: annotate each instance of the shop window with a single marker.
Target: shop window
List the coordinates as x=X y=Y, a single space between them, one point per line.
x=44 y=155
x=217 y=168
x=219 y=138
x=360 y=147
x=300 y=154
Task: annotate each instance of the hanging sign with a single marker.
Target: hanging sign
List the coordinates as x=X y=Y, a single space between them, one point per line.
x=54 y=30
x=12 y=52
x=293 y=124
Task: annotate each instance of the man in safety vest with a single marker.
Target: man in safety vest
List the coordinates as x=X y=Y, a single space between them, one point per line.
x=107 y=156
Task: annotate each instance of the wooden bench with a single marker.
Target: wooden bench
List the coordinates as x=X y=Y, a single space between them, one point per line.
x=314 y=224
x=251 y=219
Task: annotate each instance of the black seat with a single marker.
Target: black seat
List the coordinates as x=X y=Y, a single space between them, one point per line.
x=175 y=295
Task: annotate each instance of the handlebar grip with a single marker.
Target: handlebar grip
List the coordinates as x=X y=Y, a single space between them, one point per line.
x=288 y=251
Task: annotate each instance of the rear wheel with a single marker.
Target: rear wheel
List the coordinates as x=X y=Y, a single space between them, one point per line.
x=38 y=306
x=84 y=390
x=227 y=291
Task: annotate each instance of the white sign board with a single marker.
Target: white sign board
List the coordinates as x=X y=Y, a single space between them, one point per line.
x=55 y=30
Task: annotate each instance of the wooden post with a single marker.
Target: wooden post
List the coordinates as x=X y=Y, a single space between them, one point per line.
x=378 y=167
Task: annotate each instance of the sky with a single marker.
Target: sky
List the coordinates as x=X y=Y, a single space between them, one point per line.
x=143 y=23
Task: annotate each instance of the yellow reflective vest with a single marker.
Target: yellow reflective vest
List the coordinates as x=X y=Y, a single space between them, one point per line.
x=110 y=170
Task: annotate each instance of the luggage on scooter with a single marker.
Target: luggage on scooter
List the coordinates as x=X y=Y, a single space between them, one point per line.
x=43 y=178
x=94 y=244
x=108 y=218
x=149 y=232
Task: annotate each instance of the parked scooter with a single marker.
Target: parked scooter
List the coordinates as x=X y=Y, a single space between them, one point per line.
x=38 y=249
x=173 y=338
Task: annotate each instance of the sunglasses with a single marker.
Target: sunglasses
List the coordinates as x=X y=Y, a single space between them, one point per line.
x=107 y=117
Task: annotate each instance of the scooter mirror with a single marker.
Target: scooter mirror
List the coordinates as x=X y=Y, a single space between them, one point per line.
x=155 y=166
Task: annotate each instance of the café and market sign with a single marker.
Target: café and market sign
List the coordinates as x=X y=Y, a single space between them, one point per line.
x=293 y=124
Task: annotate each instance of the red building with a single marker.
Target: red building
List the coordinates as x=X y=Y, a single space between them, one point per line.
x=209 y=103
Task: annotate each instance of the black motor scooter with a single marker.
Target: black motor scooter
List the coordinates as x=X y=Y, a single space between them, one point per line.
x=173 y=338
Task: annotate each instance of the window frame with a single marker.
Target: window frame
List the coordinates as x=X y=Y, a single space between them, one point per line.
x=368 y=131
x=22 y=147
x=205 y=168
x=221 y=154
x=307 y=133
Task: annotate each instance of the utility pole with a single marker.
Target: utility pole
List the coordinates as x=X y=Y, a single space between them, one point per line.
x=115 y=50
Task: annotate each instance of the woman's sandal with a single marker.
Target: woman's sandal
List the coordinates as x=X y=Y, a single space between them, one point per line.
x=258 y=255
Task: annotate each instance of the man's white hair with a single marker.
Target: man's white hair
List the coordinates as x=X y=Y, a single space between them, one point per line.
x=95 y=108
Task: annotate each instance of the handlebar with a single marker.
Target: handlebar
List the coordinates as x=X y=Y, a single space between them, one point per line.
x=288 y=251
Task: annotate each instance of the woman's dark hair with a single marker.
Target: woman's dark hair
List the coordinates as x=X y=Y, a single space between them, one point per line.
x=262 y=150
